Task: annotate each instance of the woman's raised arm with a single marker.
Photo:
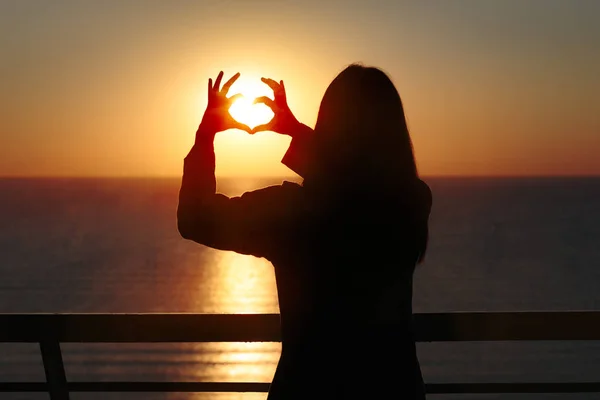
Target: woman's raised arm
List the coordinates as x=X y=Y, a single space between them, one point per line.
x=247 y=224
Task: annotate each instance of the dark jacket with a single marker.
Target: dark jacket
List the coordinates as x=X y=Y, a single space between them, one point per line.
x=343 y=271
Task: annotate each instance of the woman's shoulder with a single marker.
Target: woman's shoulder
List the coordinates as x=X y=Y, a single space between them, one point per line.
x=415 y=190
x=424 y=197
x=414 y=197
x=424 y=190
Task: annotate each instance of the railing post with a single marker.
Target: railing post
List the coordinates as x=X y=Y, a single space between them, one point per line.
x=54 y=369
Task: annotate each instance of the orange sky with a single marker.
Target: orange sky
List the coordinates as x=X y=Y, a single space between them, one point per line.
x=118 y=88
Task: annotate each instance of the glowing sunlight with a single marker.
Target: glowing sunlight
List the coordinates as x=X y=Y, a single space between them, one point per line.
x=250 y=114
x=244 y=110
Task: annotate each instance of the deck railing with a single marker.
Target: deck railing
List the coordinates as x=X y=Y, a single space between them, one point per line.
x=49 y=330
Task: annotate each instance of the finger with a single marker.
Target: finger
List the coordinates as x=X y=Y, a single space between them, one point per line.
x=234 y=98
x=268 y=80
x=271 y=83
x=282 y=88
x=267 y=101
x=263 y=127
x=240 y=126
x=218 y=81
x=230 y=82
x=210 y=86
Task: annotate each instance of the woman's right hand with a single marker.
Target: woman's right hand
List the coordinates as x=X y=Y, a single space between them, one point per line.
x=284 y=121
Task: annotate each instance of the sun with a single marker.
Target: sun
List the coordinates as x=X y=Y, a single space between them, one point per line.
x=243 y=110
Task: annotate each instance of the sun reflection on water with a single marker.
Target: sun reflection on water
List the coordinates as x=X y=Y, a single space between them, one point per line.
x=245 y=284
x=242 y=285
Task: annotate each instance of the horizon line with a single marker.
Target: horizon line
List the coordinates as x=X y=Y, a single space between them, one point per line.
x=449 y=176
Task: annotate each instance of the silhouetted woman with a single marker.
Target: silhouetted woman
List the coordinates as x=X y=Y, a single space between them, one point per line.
x=344 y=244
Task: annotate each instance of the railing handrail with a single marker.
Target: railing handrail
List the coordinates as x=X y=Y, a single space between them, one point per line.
x=49 y=330
x=188 y=327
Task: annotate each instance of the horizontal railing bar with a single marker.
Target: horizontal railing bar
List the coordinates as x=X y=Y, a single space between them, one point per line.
x=155 y=328
x=508 y=326
x=502 y=387
x=134 y=328
x=260 y=387
x=23 y=387
x=164 y=387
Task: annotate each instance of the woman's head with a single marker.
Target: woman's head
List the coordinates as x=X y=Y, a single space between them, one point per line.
x=361 y=127
x=362 y=144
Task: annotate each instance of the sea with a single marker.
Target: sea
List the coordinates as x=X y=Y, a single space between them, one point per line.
x=79 y=245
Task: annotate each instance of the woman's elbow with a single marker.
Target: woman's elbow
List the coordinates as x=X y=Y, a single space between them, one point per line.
x=185 y=224
x=199 y=227
x=184 y=229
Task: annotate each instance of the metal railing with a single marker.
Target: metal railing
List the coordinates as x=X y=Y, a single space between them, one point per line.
x=49 y=330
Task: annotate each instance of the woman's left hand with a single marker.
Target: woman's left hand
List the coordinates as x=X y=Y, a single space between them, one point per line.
x=216 y=117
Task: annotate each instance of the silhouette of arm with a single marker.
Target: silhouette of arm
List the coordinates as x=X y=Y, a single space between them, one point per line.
x=248 y=224
x=298 y=155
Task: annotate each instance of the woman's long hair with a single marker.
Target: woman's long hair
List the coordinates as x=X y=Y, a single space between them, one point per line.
x=361 y=141
x=361 y=126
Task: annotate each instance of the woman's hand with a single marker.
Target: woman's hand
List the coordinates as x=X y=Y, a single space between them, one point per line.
x=283 y=121
x=216 y=117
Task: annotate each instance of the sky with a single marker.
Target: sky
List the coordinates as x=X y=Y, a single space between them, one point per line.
x=118 y=87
